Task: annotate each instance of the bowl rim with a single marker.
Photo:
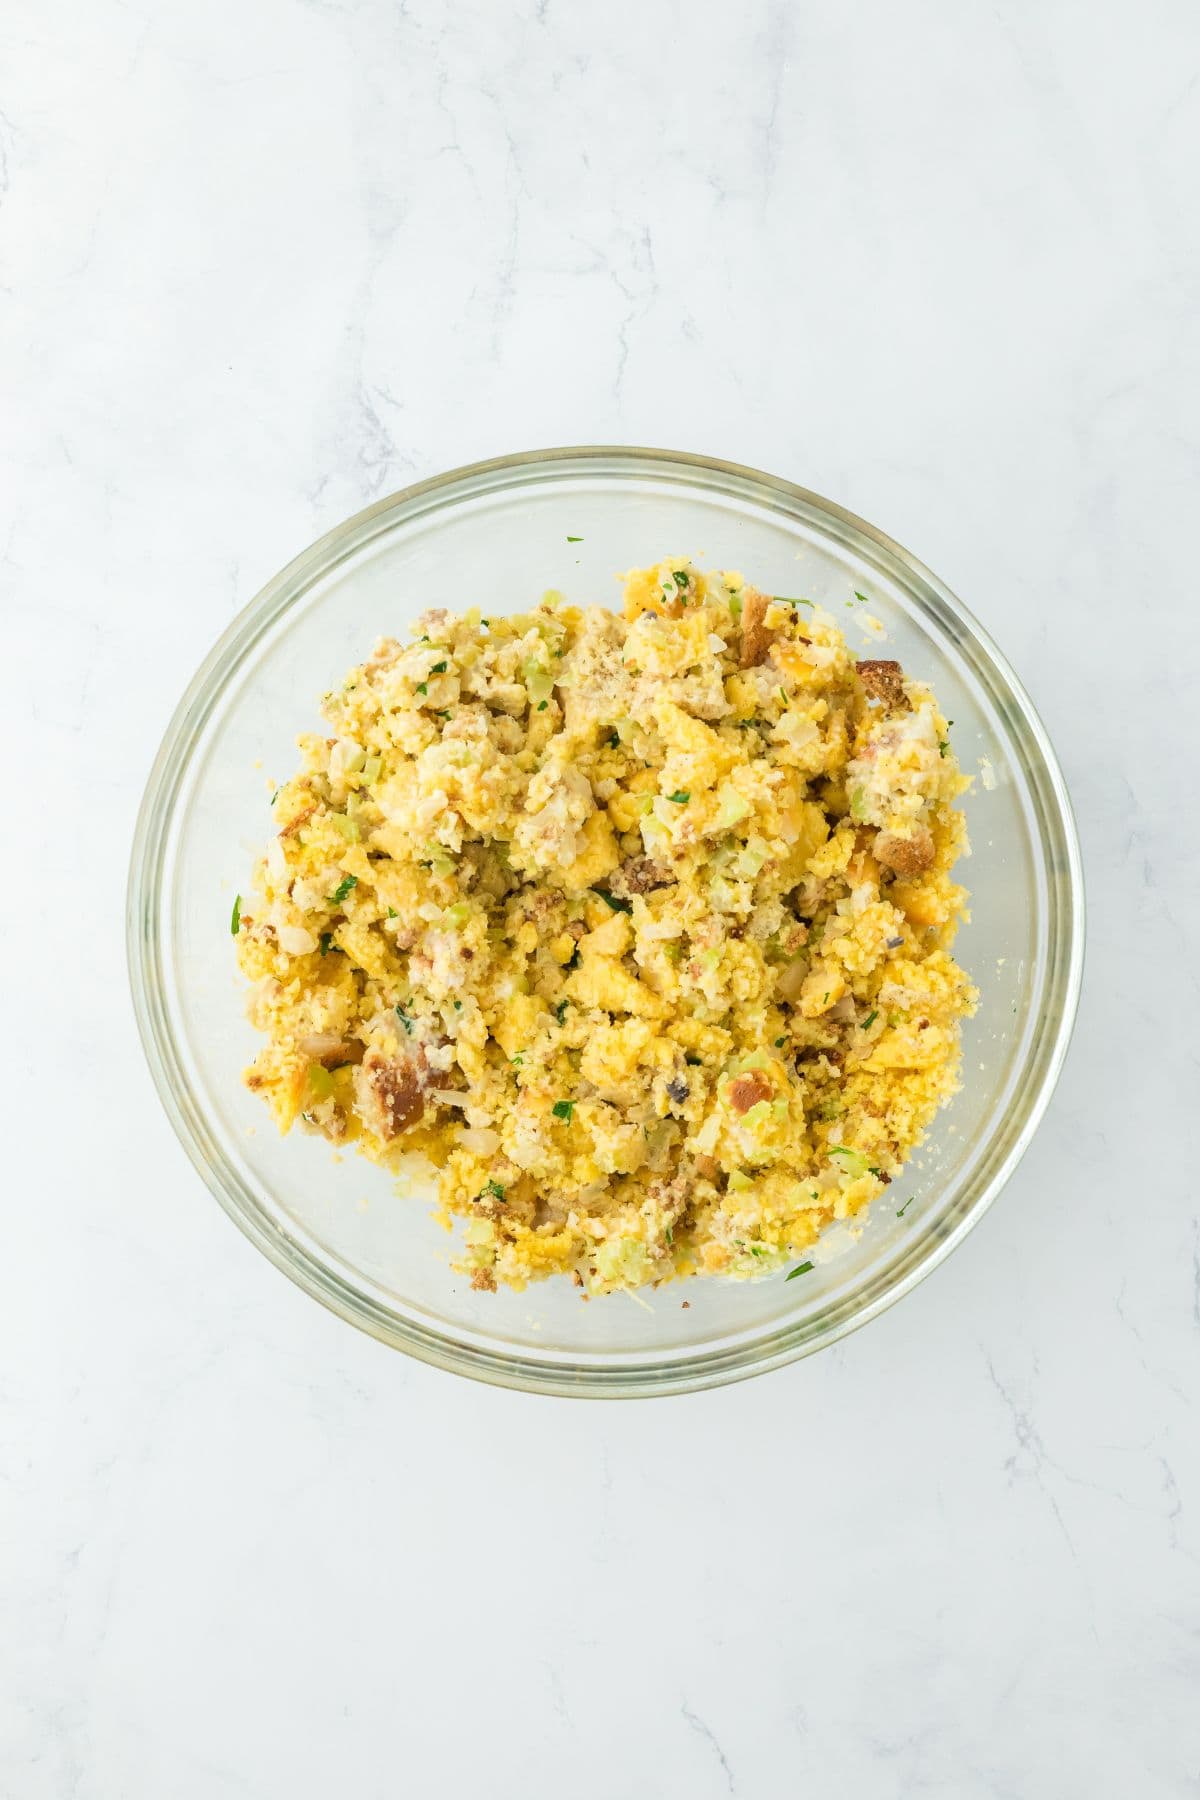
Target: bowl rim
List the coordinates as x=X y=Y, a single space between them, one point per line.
x=685 y=1371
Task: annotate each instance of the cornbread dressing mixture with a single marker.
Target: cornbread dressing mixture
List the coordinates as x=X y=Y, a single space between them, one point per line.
x=638 y=927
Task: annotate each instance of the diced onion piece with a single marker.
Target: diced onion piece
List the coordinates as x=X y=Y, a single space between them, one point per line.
x=295 y=940
x=791 y=979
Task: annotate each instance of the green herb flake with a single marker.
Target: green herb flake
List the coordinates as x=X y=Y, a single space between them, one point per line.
x=342 y=889
x=787 y=600
x=458 y=1006
x=325 y=943
x=542 y=705
x=669 y=1234
x=392 y=913
x=943 y=746
x=494 y=1188
x=614 y=900
x=780 y=1042
x=783 y=695
x=870 y=1019
x=235 y=921
x=422 y=687
x=861 y=597
x=693 y=1061
x=518 y=1061
x=680 y=577
x=680 y=797
x=900 y=1211
x=614 y=741
x=275 y=795
x=560 y=1011
x=439 y=668
x=562 y=1109
x=800 y=1269
x=574 y=540
x=404 y=1020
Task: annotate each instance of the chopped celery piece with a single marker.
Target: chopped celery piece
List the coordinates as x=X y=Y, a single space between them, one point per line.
x=320 y=1082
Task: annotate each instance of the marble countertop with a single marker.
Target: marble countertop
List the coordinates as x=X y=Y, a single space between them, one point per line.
x=260 y=264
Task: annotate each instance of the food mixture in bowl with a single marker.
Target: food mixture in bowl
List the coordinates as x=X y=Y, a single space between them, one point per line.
x=638 y=927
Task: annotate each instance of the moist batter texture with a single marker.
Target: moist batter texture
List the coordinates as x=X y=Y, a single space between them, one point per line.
x=638 y=927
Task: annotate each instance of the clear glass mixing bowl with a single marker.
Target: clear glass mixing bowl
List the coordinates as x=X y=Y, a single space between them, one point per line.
x=497 y=534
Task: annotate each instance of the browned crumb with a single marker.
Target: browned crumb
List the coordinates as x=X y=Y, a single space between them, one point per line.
x=641 y=875
x=484 y=1281
x=747 y=1090
x=884 y=680
x=389 y=1095
x=756 y=639
x=905 y=855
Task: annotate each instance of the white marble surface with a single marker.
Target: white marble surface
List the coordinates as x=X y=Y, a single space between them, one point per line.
x=260 y=263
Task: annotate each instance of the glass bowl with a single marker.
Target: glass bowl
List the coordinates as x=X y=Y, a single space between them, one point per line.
x=497 y=534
